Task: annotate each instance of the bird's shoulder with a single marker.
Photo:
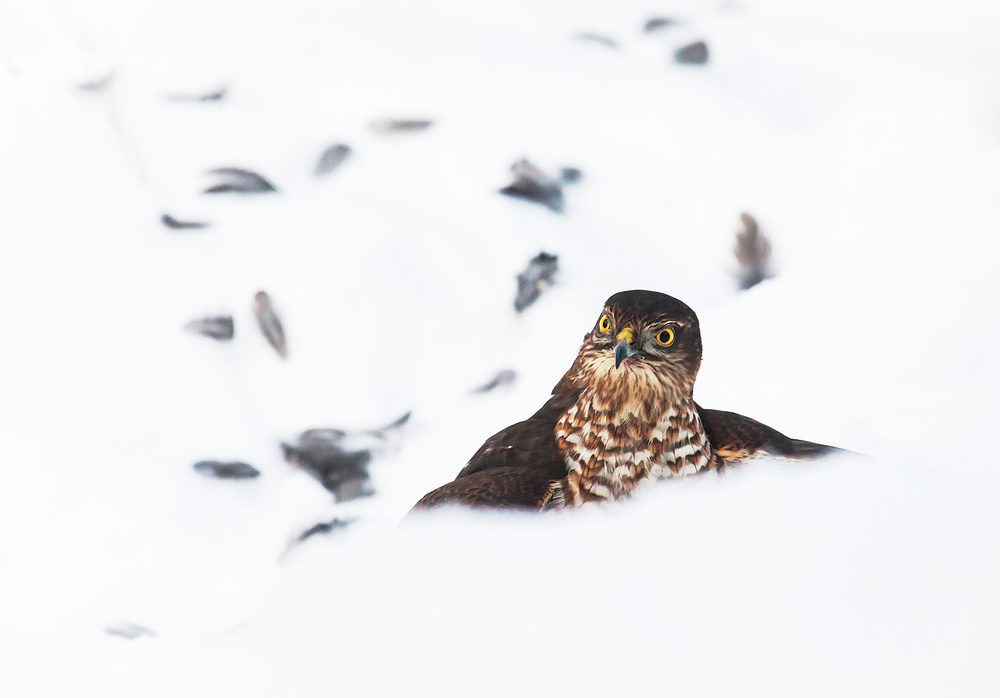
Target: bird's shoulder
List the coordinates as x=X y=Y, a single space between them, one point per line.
x=735 y=438
x=527 y=444
x=514 y=468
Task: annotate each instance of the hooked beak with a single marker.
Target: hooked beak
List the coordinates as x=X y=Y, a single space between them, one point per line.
x=624 y=349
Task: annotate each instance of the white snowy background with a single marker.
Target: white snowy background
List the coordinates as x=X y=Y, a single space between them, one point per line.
x=864 y=136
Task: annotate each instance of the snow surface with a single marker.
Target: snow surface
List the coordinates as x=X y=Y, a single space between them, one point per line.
x=864 y=136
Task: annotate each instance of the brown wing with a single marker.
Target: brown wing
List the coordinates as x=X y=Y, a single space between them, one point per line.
x=735 y=438
x=527 y=444
x=506 y=488
x=514 y=468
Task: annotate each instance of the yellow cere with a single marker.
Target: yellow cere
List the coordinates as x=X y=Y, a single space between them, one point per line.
x=605 y=324
x=665 y=337
x=628 y=334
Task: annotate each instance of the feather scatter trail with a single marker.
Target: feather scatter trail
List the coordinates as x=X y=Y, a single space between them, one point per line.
x=389 y=262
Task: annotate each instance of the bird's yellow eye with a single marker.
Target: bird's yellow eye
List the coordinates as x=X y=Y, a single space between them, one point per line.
x=605 y=324
x=665 y=337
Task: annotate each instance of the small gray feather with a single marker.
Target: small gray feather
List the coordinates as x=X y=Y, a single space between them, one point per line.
x=692 y=54
x=220 y=327
x=753 y=253
x=269 y=323
x=399 y=125
x=332 y=158
x=537 y=277
x=239 y=181
x=233 y=470
x=175 y=224
x=531 y=184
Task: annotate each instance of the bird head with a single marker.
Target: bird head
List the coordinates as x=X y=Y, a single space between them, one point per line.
x=645 y=344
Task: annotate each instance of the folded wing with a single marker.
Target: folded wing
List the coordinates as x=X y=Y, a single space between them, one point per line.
x=736 y=438
x=513 y=469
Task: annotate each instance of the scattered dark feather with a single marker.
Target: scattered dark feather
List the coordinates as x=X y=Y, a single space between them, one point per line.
x=172 y=222
x=381 y=432
x=129 y=631
x=692 y=54
x=227 y=188
x=753 y=252
x=399 y=125
x=656 y=23
x=535 y=279
x=220 y=327
x=97 y=84
x=570 y=175
x=504 y=377
x=332 y=158
x=320 y=453
x=239 y=181
x=269 y=323
x=338 y=459
x=325 y=527
x=532 y=184
x=233 y=470
x=597 y=39
x=216 y=96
